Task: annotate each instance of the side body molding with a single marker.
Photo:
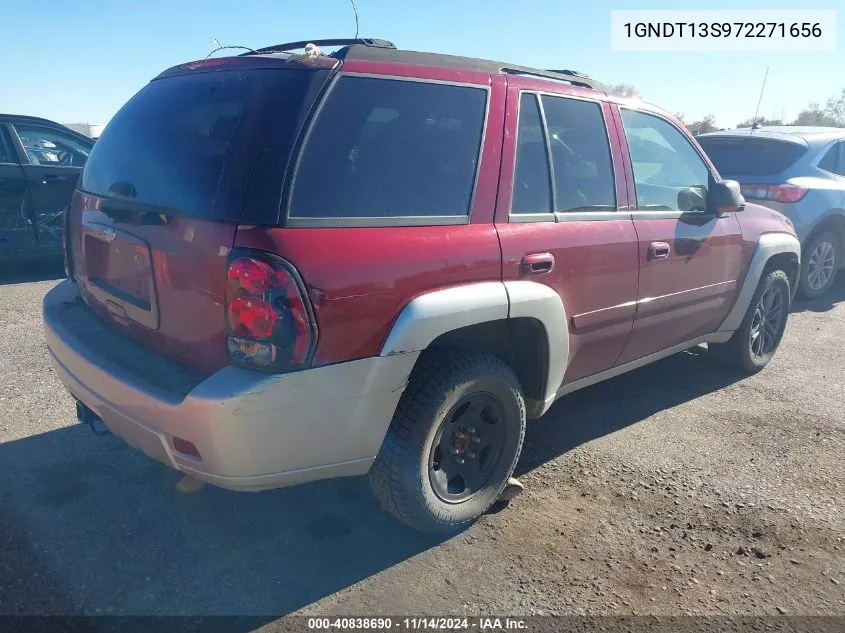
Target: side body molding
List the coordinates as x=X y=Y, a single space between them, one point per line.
x=769 y=245
x=436 y=313
x=538 y=301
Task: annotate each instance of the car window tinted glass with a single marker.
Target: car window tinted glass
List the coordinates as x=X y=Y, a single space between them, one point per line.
x=736 y=156
x=583 y=168
x=5 y=151
x=46 y=146
x=188 y=143
x=532 y=191
x=834 y=160
x=668 y=173
x=386 y=148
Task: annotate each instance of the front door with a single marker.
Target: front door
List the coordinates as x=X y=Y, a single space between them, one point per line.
x=690 y=259
x=16 y=233
x=562 y=217
x=55 y=160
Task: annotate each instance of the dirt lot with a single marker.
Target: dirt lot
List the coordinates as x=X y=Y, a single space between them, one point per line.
x=675 y=489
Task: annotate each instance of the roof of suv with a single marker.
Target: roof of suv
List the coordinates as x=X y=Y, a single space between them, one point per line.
x=365 y=49
x=804 y=135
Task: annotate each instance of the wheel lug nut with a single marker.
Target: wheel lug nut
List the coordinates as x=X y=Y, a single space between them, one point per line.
x=476 y=439
x=460 y=435
x=470 y=429
x=471 y=455
x=460 y=460
x=454 y=450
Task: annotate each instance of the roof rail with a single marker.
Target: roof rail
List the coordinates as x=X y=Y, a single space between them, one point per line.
x=574 y=73
x=292 y=46
x=568 y=76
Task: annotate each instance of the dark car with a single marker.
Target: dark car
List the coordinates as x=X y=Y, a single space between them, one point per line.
x=287 y=267
x=40 y=162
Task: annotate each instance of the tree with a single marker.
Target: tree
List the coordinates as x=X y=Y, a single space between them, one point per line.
x=707 y=124
x=761 y=121
x=835 y=109
x=623 y=90
x=814 y=115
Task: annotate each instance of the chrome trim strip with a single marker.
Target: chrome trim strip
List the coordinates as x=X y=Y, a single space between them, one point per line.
x=403 y=220
x=591 y=216
x=730 y=282
x=517 y=218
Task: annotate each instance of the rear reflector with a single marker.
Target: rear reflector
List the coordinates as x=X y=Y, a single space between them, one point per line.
x=186 y=448
x=270 y=325
x=779 y=193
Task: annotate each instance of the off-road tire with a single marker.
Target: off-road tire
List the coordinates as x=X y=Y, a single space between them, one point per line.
x=400 y=475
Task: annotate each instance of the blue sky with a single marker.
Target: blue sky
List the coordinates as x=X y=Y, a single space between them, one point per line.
x=80 y=61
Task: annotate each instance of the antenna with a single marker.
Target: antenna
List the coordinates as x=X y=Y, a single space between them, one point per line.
x=754 y=125
x=355 y=10
x=220 y=47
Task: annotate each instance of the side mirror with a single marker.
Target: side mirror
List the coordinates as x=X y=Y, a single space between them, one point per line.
x=725 y=197
x=691 y=199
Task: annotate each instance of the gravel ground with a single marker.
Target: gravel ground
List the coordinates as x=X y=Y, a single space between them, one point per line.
x=677 y=489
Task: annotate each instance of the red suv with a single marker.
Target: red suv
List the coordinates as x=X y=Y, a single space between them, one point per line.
x=287 y=267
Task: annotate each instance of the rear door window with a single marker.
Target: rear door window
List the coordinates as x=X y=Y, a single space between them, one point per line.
x=581 y=161
x=384 y=149
x=748 y=156
x=532 y=190
x=187 y=143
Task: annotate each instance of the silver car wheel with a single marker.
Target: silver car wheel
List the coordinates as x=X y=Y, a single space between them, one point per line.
x=821 y=265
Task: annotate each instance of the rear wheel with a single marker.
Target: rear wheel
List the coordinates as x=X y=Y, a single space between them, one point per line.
x=819 y=265
x=453 y=442
x=754 y=344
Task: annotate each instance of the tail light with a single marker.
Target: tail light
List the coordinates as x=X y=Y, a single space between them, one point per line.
x=269 y=323
x=778 y=193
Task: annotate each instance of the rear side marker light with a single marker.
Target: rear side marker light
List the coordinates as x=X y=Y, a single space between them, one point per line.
x=269 y=323
x=186 y=448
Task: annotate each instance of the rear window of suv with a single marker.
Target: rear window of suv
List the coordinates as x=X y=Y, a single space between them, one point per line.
x=187 y=143
x=747 y=156
x=385 y=149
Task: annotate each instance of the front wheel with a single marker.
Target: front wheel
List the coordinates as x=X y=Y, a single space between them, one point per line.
x=754 y=344
x=453 y=442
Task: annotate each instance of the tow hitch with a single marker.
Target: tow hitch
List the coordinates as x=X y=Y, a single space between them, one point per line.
x=87 y=417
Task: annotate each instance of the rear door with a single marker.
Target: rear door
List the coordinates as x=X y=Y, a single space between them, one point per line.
x=562 y=216
x=163 y=191
x=16 y=233
x=54 y=161
x=689 y=258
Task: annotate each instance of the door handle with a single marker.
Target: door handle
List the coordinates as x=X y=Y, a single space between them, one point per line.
x=658 y=250
x=537 y=264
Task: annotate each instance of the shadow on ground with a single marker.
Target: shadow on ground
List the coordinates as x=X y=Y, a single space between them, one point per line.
x=93 y=526
x=834 y=296
x=27 y=270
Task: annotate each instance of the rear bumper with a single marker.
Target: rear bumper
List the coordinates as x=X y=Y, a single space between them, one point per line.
x=254 y=431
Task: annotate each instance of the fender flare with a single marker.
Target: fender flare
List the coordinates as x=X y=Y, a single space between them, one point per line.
x=432 y=314
x=769 y=245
